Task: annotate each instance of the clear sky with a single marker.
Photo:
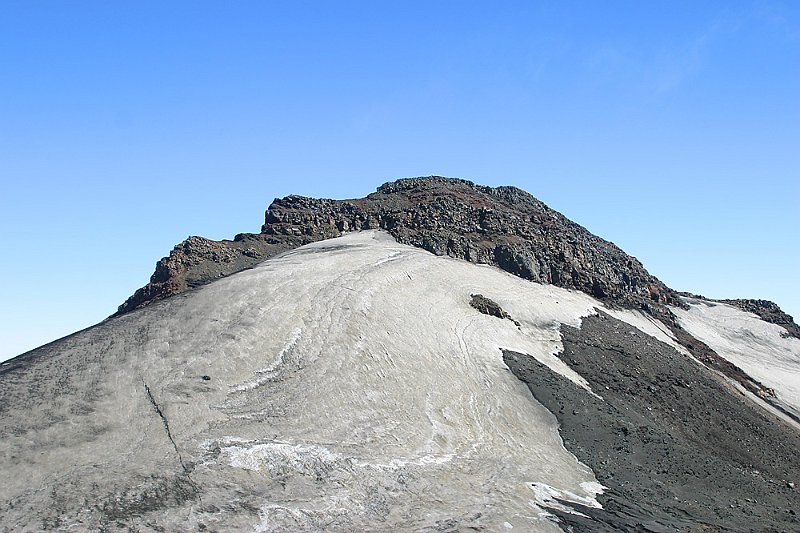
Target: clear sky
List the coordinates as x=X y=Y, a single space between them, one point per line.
x=670 y=128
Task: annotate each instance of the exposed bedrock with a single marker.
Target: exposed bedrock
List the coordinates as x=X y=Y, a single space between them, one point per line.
x=197 y=261
x=502 y=226
x=678 y=449
x=487 y=306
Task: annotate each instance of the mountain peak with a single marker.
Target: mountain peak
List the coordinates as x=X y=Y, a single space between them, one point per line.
x=501 y=226
x=370 y=381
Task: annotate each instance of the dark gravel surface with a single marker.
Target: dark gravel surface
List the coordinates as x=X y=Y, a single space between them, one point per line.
x=487 y=306
x=678 y=449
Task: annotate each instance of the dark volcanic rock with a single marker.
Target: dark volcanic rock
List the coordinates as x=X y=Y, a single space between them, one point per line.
x=487 y=306
x=502 y=226
x=197 y=261
x=678 y=449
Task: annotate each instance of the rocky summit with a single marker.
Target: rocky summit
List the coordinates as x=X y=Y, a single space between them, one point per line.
x=437 y=356
x=503 y=226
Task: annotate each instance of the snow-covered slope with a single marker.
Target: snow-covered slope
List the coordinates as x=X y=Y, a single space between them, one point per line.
x=764 y=351
x=346 y=385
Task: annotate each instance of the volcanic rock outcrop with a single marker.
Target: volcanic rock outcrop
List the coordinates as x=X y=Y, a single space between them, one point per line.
x=503 y=226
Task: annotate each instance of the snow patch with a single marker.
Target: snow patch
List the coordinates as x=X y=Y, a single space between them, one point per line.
x=546 y=497
x=425 y=460
x=759 y=348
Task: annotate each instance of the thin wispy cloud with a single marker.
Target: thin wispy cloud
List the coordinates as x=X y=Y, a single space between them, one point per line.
x=672 y=67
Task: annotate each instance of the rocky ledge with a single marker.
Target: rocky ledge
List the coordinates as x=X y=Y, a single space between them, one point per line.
x=503 y=226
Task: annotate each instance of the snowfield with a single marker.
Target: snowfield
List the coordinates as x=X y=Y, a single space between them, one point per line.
x=391 y=389
x=346 y=385
x=761 y=349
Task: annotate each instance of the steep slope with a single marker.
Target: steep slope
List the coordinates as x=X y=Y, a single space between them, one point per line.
x=678 y=448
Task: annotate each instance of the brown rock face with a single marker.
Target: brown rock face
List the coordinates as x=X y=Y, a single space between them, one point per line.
x=502 y=226
x=197 y=261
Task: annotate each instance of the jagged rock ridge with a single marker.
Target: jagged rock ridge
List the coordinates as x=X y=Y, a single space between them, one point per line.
x=502 y=226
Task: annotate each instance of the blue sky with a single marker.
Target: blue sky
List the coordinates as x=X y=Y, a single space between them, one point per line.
x=669 y=128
